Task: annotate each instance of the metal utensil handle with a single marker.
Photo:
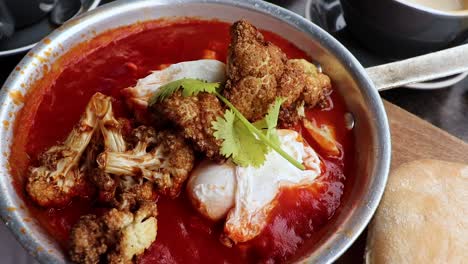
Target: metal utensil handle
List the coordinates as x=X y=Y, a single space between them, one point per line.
x=419 y=69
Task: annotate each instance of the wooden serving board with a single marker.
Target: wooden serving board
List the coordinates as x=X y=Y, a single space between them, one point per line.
x=412 y=139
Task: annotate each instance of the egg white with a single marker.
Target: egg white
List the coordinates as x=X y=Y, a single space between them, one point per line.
x=246 y=195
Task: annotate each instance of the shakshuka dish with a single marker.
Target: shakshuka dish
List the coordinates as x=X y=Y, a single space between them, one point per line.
x=183 y=141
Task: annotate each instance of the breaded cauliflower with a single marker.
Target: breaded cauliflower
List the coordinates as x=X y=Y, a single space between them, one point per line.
x=258 y=72
x=301 y=84
x=110 y=137
x=118 y=236
x=254 y=69
x=302 y=81
x=137 y=97
x=162 y=158
x=130 y=193
x=122 y=192
x=193 y=116
x=111 y=129
x=61 y=174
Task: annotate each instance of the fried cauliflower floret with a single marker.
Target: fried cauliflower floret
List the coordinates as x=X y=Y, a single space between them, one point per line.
x=118 y=235
x=135 y=232
x=110 y=137
x=302 y=85
x=254 y=69
x=61 y=174
x=258 y=72
x=106 y=185
x=132 y=192
x=88 y=240
x=122 y=192
x=162 y=158
x=302 y=81
x=193 y=116
x=112 y=129
x=207 y=69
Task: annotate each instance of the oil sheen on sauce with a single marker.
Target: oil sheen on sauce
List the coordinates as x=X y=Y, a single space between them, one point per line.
x=183 y=235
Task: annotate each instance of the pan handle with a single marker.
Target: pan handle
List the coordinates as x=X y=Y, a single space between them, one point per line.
x=419 y=69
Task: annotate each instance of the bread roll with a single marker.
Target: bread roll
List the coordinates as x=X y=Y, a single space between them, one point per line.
x=423 y=216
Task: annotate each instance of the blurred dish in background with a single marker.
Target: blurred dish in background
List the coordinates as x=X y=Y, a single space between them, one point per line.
x=22 y=13
x=25 y=22
x=328 y=14
x=446 y=5
x=406 y=28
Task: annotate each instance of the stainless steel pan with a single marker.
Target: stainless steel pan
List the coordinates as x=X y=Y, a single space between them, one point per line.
x=352 y=81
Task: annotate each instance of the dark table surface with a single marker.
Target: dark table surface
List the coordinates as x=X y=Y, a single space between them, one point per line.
x=446 y=108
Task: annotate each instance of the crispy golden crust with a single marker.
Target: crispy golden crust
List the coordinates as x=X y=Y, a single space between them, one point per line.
x=301 y=83
x=258 y=71
x=193 y=116
x=106 y=184
x=128 y=198
x=64 y=168
x=180 y=161
x=88 y=241
x=48 y=194
x=289 y=116
x=163 y=158
x=317 y=89
x=115 y=237
x=254 y=69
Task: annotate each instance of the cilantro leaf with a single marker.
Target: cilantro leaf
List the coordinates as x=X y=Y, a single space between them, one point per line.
x=190 y=87
x=238 y=141
x=246 y=143
x=270 y=121
x=226 y=131
x=271 y=117
x=223 y=127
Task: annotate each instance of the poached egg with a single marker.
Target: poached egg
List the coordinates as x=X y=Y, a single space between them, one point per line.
x=208 y=70
x=247 y=195
x=244 y=196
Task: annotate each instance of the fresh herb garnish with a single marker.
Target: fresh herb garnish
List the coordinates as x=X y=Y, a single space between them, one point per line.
x=246 y=143
x=190 y=87
x=269 y=122
x=261 y=136
x=238 y=142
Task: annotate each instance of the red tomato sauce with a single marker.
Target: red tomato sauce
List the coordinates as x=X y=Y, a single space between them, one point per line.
x=116 y=60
